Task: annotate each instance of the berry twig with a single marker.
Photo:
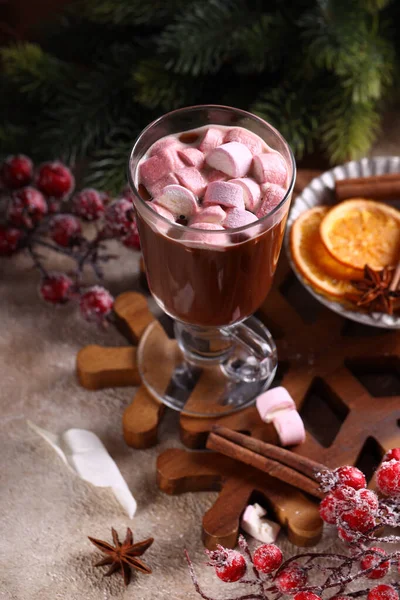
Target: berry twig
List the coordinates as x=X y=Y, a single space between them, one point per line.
x=357 y=513
x=38 y=211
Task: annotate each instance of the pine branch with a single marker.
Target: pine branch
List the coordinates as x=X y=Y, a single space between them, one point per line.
x=12 y=139
x=204 y=36
x=349 y=128
x=33 y=71
x=89 y=112
x=293 y=113
x=260 y=44
x=347 y=42
x=157 y=87
x=128 y=12
x=107 y=170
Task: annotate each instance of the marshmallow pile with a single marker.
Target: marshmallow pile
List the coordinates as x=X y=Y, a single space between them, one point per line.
x=213 y=178
x=276 y=406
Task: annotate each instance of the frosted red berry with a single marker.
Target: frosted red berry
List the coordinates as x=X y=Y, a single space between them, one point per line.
x=88 y=204
x=119 y=217
x=388 y=478
x=358 y=519
x=132 y=239
x=16 y=171
x=65 y=230
x=96 y=304
x=351 y=476
x=27 y=208
x=306 y=596
x=10 y=239
x=229 y=565
x=347 y=536
x=56 y=288
x=394 y=453
x=267 y=558
x=55 y=179
x=291 y=579
x=327 y=509
x=383 y=592
x=368 y=498
x=371 y=559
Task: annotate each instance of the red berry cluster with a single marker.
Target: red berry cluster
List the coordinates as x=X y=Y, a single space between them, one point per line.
x=38 y=210
x=357 y=512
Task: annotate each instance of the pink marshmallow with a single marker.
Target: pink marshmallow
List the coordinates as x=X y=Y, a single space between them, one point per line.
x=212 y=138
x=215 y=175
x=209 y=214
x=251 y=140
x=232 y=158
x=158 y=186
x=251 y=191
x=192 y=179
x=273 y=400
x=163 y=144
x=161 y=210
x=273 y=195
x=158 y=166
x=206 y=239
x=191 y=157
x=224 y=193
x=270 y=167
x=238 y=218
x=289 y=427
x=178 y=200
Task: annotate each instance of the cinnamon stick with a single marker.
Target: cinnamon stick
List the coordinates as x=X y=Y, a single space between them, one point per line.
x=272 y=467
x=302 y=464
x=375 y=187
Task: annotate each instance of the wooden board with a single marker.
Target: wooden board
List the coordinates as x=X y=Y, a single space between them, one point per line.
x=328 y=366
x=180 y=471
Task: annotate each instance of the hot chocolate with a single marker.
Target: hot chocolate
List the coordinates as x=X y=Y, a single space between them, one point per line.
x=212 y=232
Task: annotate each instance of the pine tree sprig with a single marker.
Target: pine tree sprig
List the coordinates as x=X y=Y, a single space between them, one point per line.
x=33 y=71
x=156 y=87
x=349 y=128
x=123 y=12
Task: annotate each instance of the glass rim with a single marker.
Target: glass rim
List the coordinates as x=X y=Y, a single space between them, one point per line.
x=147 y=204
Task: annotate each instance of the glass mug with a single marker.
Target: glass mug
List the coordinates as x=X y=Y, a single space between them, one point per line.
x=211 y=287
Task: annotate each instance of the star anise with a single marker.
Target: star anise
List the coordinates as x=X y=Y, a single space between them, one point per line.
x=376 y=290
x=121 y=557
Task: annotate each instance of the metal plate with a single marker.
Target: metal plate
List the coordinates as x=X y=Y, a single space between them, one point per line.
x=321 y=191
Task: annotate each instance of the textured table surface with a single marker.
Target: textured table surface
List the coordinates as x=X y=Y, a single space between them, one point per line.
x=46 y=513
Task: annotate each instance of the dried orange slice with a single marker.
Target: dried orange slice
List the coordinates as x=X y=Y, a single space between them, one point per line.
x=312 y=259
x=362 y=232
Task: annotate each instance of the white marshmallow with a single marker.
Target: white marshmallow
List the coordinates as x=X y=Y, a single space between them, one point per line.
x=228 y=195
x=273 y=400
x=209 y=214
x=178 y=200
x=156 y=188
x=212 y=138
x=192 y=179
x=199 y=238
x=251 y=191
x=270 y=167
x=251 y=140
x=261 y=529
x=215 y=175
x=273 y=194
x=191 y=157
x=163 y=144
x=158 y=166
x=289 y=427
x=238 y=218
x=161 y=210
x=232 y=158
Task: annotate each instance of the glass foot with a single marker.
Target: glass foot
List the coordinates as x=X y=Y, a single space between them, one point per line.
x=209 y=383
